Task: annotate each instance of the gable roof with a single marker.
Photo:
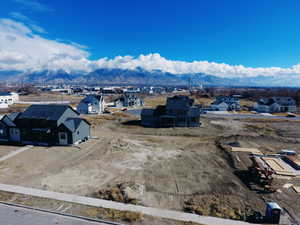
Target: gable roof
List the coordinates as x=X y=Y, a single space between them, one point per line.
x=88 y=98
x=73 y=123
x=7 y=121
x=48 y=112
x=12 y=116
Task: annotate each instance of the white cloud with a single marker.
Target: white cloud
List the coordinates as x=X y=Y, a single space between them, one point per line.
x=37 y=28
x=21 y=48
x=29 y=22
x=20 y=16
x=38 y=52
x=11 y=58
x=33 y=5
x=155 y=61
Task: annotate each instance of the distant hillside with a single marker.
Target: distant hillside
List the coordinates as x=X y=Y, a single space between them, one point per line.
x=140 y=76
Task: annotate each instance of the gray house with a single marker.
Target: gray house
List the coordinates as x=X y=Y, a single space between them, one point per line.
x=179 y=111
x=275 y=104
x=226 y=103
x=45 y=125
x=91 y=104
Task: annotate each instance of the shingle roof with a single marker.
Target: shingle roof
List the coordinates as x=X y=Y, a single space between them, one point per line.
x=88 y=98
x=5 y=93
x=73 y=123
x=48 y=112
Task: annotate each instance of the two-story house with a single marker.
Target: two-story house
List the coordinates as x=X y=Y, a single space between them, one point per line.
x=45 y=125
x=91 y=104
x=179 y=111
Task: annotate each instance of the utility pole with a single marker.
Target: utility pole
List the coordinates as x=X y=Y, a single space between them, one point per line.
x=190 y=85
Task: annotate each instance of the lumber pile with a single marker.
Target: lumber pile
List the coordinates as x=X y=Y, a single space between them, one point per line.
x=278 y=166
x=251 y=150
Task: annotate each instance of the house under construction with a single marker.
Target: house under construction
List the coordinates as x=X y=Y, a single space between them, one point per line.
x=179 y=111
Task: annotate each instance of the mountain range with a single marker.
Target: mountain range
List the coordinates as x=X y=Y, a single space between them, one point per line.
x=139 y=76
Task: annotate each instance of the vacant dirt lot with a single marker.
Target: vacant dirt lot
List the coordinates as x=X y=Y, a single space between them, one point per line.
x=176 y=168
x=4 y=150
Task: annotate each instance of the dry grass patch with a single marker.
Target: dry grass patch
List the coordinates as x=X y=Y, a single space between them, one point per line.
x=204 y=101
x=246 y=102
x=114 y=215
x=117 y=194
x=213 y=206
x=100 y=119
x=14 y=108
x=261 y=128
x=155 y=101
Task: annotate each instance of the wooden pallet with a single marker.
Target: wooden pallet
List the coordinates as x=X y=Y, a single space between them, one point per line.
x=251 y=150
x=278 y=166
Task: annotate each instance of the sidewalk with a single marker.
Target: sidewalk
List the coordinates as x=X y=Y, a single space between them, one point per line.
x=162 y=213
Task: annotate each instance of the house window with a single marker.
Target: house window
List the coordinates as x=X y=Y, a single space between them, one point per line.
x=63 y=136
x=194 y=119
x=1 y=131
x=77 y=132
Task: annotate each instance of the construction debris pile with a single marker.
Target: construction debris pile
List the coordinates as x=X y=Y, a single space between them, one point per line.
x=265 y=168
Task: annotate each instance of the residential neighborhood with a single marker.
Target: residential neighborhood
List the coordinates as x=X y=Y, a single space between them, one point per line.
x=226 y=103
x=275 y=105
x=133 y=112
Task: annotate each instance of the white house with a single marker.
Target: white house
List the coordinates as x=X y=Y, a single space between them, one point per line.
x=226 y=103
x=220 y=106
x=275 y=104
x=8 y=98
x=91 y=104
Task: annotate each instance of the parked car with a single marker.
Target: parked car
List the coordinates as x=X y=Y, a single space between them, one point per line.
x=291 y=115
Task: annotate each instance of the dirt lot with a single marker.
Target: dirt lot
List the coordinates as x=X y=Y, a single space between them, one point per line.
x=176 y=168
x=4 y=150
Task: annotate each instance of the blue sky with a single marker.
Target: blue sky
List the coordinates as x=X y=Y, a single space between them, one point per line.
x=252 y=33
